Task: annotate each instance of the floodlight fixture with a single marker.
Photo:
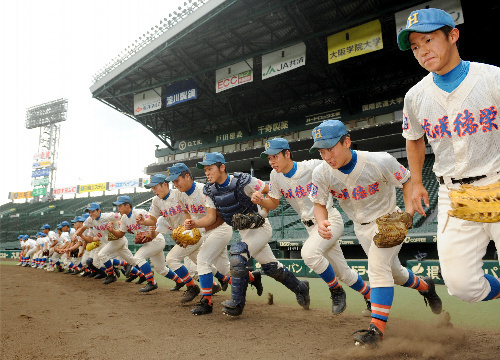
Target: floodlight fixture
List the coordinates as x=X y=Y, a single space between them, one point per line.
x=46 y=114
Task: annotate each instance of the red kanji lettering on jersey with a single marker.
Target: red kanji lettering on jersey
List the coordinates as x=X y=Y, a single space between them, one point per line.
x=373 y=188
x=359 y=193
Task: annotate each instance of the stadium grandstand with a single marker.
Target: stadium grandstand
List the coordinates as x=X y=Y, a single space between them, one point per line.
x=226 y=75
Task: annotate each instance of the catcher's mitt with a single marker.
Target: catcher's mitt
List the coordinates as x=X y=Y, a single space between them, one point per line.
x=392 y=229
x=186 y=237
x=476 y=203
x=45 y=252
x=91 y=246
x=142 y=237
x=247 y=221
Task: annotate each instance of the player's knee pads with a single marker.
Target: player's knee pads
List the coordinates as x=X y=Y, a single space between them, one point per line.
x=238 y=260
x=284 y=276
x=89 y=262
x=240 y=248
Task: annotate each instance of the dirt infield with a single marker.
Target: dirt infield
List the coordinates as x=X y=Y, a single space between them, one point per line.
x=58 y=316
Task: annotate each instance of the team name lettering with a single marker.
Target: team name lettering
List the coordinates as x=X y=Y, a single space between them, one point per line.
x=195 y=209
x=173 y=210
x=358 y=193
x=464 y=124
x=134 y=227
x=298 y=192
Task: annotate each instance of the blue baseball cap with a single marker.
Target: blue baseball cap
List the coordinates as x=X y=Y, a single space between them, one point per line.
x=174 y=171
x=46 y=226
x=327 y=134
x=20 y=237
x=423 y=21
x=59 y=226
x=210 y=159
x=65 y=223
x=155 y=180
x=42 y=234
x=26 y=237
x=274 y=146
x=84 y=216
x=93 y=206
x=124 y=199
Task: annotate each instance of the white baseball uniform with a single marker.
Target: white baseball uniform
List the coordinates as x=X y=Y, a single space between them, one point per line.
x=213 y=250
x=316 y=251
x=462 y=128
x=365 y=194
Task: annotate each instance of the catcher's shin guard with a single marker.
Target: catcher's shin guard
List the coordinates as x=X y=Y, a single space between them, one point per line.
x=238 y=260
x=288 y=278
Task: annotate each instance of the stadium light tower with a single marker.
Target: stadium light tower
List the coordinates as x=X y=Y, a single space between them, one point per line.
x=46 y=117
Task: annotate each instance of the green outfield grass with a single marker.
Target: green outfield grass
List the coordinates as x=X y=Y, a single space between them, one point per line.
x=408 y=303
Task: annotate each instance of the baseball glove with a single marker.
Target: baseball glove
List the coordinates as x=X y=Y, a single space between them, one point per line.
x=247 y=221
x=112 y=236
x=91 y=246
x=392 y=229
x=186 y=237
x=142 y=237
x=45 y=252
x=476 y=203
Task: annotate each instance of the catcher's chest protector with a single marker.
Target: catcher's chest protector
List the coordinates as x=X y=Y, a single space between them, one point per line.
x=231 y=199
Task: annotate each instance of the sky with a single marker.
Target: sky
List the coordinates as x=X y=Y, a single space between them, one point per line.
x=51 y=50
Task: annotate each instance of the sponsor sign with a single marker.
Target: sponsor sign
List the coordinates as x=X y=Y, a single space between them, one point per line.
x=91 y=187
x=41 y=181
x=39 y=164
x=356 y=41
x=147 y=101
x=42 y=155
x=281 y=61
x=431 y=268
x=40 y=172
x=39 y=191
x=21 y=195
x=452 y=7
x=66 y=190
x=123 y=184
x=181 y=92
x=234 y=75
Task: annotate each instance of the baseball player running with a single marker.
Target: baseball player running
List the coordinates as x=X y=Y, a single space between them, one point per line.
x=166 y=214
x=229 y=196
x=365 y=185
x=152 y=246
x=456 y=106
x=21 y=255
x=293 y=181
x=103 y=224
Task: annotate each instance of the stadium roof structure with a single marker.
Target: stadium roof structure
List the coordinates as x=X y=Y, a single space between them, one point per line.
x=208 y=35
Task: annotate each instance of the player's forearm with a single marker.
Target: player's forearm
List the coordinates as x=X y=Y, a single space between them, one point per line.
x=320 y=213
x=415 y=152
x=149 y=221
x=206 y=221
x=407 y=192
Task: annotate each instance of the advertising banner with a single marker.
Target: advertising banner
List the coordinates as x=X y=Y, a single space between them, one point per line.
x=356 y=41
x=92 y=187
x=21 y=195
x=281 y=61
x=39 y=164
x=41 y=181
x=181 y=92
x=40 y=172
x=233 y=75
x=66 y=190
x=147 y=101
x=42 y=155
x=123 y=184
x=39 y=191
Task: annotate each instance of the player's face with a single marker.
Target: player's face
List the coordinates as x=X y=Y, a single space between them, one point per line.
x=77 y=225
x=124 y=209
x=435 y=51
x=183 y=184
x=161 y=190
x=45 y=231
x=280 y=163
x=214 y=174
x=337 y=156
x=94 y=214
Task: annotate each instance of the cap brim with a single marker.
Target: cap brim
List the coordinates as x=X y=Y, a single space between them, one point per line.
x=403 y=36
x=324 y=144
x=172 y=177
x=268 y=152
x=202 y=164
x=118 y=203
x=150 y=185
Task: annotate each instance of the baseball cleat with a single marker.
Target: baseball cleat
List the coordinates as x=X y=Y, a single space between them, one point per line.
x=368 y=311
x=99 y=276
x=223 y=285
x=131 y=278
x=370 y=337
x=19 y=263
x=338 y=300
x=431 y=297
x=141 y=280
x=190 y=293
x=149 y=287
x=303 y=297
x=127 y=269
x=216 y=288
x=109 y=279
x=257 y=282
x=203 y=307
x=230 y=308
x=177 y=286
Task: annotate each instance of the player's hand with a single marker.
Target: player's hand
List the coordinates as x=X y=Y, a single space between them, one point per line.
x=95 y=239
x=80 y=254
x=140 y=219
x=324 y=230
x=189 y=224
x=257 y=197
x=109 y=226
x=181 y=244
x=418 y=194
x=73 y=237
